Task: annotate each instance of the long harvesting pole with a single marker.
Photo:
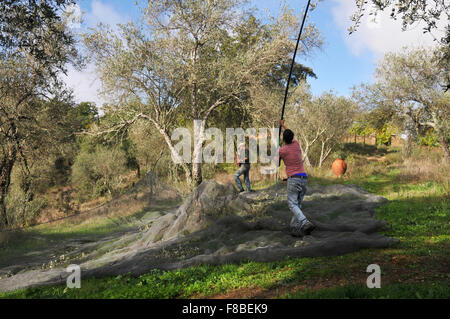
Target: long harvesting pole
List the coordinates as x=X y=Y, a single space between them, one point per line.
x=289 y=77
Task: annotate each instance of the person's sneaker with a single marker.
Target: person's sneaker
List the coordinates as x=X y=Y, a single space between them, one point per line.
x=297 y=231
x=241 y=190
x=308 y=227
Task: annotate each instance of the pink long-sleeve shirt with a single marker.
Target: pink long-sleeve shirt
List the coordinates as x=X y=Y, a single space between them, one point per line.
x=291 y=154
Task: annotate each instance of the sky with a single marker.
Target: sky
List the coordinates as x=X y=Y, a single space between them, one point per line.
x=343 y=62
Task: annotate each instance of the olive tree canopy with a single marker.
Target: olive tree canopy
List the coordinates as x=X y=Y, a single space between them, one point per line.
x=187 y=58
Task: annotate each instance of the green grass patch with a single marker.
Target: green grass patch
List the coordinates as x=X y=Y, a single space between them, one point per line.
x=399 y=291
x=94 y=228
x=417 y=211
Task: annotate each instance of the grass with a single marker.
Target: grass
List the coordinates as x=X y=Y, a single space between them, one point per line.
x=416 y=268
x=400 y=291
x=83 y=227
x=41 y=237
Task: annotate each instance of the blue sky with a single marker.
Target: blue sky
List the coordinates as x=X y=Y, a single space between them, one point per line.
x=344 y=61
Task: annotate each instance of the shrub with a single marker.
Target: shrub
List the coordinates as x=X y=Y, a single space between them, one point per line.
x=98 y=173
x=339 y=154
x=429 y=139
x=23 y=210
x=384 y=135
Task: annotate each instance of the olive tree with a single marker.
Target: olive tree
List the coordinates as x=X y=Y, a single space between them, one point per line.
x=35 y=47
x=409 y=84
x=319 y=122
x=188 y=58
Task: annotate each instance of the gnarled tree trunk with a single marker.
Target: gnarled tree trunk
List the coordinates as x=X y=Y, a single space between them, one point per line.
x=199 y=131
x=6 y=166
x=407 y=146
x=445 y=149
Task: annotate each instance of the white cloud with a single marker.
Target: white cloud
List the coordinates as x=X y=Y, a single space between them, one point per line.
x=382 y=35
x=86 y=83
x=104 y=13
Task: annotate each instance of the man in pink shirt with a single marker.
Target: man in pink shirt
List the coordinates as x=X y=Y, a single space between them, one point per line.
x=291 y=155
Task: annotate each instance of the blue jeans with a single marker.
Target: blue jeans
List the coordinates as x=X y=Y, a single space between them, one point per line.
x=296 y=190
x=244 y=169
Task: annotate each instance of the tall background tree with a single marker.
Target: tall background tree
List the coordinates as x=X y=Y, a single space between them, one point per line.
x=319 y=122
x=35 y=47
x=189 y=58
x=408 y=88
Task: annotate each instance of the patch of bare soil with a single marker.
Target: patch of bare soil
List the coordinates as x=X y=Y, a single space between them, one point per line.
x=396 y=270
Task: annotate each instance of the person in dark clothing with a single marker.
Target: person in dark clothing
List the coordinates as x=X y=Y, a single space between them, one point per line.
x=244 y=167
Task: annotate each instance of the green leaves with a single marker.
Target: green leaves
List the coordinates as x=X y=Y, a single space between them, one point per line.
x=410 y=12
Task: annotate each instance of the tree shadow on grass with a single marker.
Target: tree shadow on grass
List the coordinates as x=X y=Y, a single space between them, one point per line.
x=366 y=150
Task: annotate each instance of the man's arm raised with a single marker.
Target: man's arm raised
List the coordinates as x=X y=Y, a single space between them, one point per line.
x=282 y=125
